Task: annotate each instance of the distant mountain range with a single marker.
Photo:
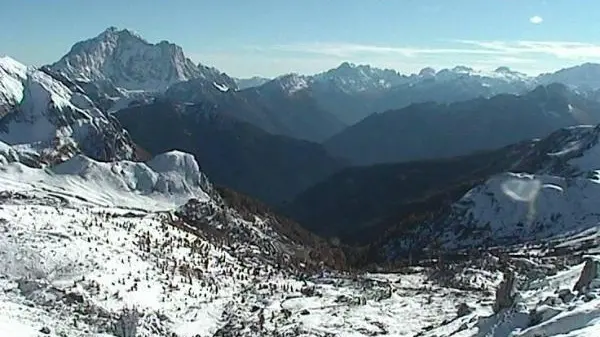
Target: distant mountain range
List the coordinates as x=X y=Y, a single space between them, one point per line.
x=123 y=68
x=435 y=130
x=279 y=106
x=244 y=83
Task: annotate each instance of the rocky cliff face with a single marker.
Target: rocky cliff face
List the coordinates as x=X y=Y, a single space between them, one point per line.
x=54 y=119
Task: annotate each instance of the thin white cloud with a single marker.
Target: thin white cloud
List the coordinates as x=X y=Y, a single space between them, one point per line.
x=350 y=49
x=559 y=49
x=536 y=20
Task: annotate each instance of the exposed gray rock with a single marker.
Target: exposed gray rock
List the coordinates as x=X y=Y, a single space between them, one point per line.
x=588 y=274
x=464 y=309
x=566 y=295
x=27 y=286
x=505 y=296
x=551 y=301
x=126 y=324
x=542 y=314
x=308 y=291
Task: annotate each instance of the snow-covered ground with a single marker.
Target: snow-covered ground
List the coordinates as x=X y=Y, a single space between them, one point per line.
x=85 y=264
x=78 y=261
x=74 y=269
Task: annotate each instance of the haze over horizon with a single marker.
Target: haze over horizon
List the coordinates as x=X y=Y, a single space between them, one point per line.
x=269 y=38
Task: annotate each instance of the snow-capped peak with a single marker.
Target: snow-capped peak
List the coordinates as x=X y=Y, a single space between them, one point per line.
x=292 y=83
x=352 y=78
x=586 y=76
x=130 y=62
x=511 y=75
x=113 y=33
x=463 y=69
x=12 y=66
x=12 y=74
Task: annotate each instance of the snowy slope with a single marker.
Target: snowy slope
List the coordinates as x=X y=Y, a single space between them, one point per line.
x=545 y=304
x=163 y=183
x=54 y=121
x=552 y=194
x=511 y=208
x=90 y=248
x=74 y=269
x=84 y=265
x=12 y=75
x=584 y=76
x=128 y=61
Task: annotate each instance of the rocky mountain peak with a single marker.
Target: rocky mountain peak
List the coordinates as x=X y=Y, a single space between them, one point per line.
x=352 y=78
x=128 y=61
x=427 y=72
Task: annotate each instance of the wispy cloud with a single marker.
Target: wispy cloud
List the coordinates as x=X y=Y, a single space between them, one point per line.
x=350 y=49
x=536 y=20
x=559 y=49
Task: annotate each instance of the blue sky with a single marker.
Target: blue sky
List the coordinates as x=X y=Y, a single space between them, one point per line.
x=271 y=37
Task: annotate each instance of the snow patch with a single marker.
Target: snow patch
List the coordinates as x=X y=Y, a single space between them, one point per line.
x=221 y=87
x=163 y=183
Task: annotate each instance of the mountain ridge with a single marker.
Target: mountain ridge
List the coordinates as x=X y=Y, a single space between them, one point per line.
x=234 y=153
x=430 y=130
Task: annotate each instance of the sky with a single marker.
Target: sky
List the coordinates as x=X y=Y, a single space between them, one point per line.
x=272 y=37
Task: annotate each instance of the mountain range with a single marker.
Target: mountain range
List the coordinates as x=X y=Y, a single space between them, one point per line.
x=120 y=64
x=124 y=167
x=436 y=130
x=117 y=96
x=276 y=138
